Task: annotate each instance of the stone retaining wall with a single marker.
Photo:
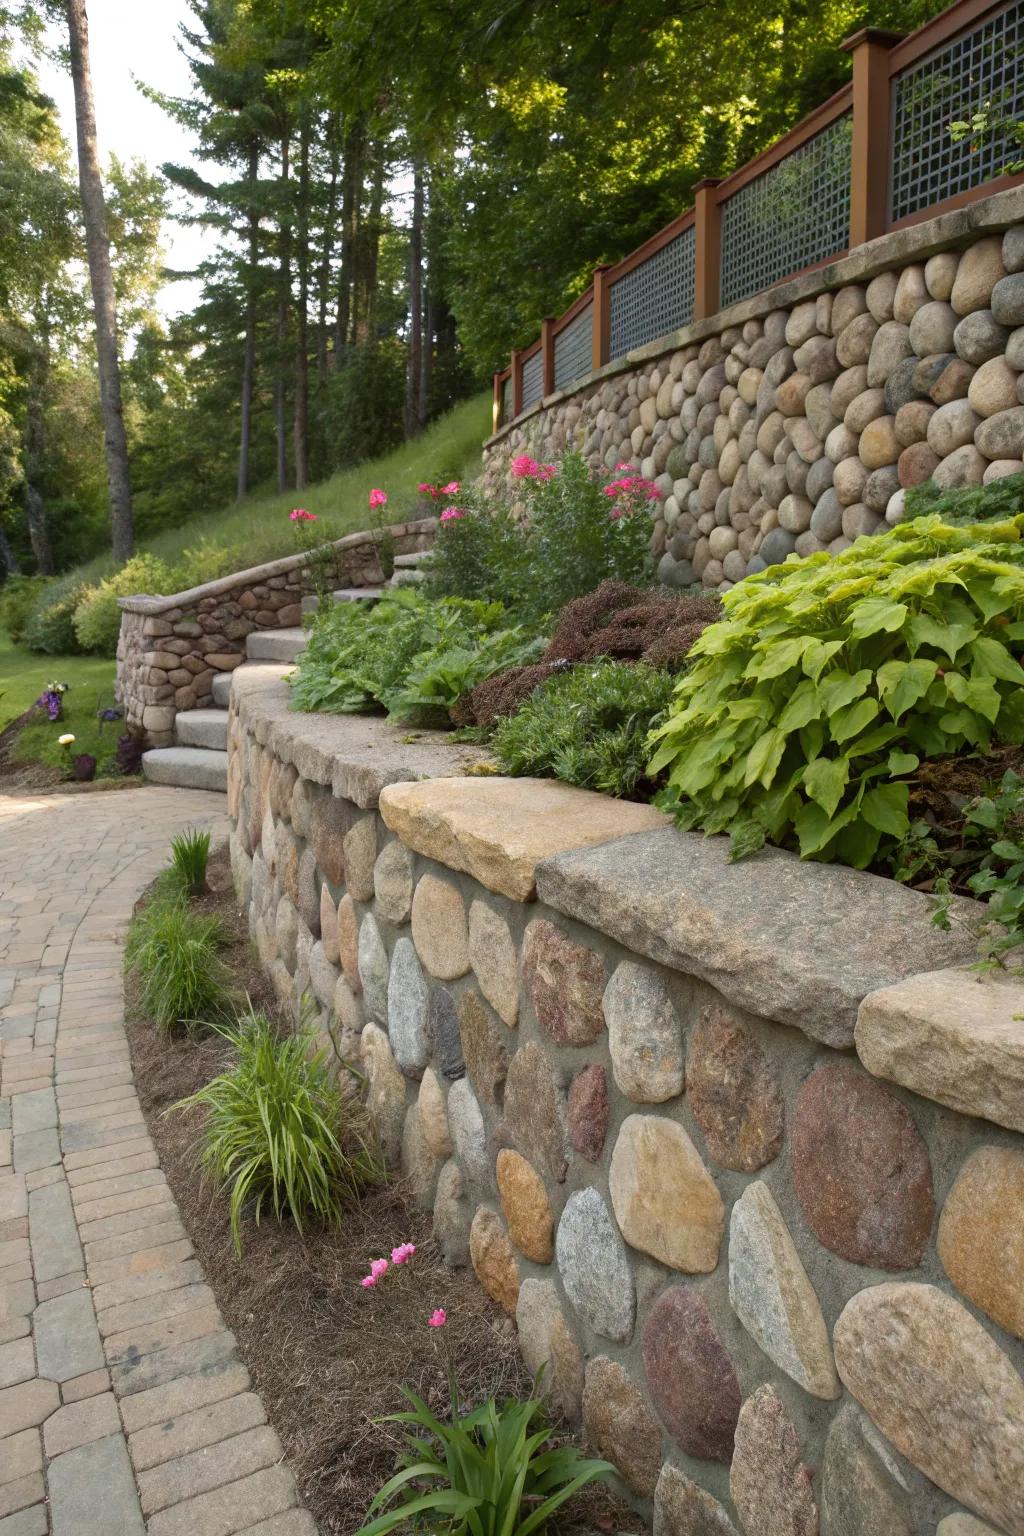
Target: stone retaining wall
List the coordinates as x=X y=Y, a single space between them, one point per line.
x=736 y=1145
x=796 y=420
x=170 y=648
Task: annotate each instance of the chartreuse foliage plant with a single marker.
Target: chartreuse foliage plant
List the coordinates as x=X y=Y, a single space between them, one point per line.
x=808 y=707
x=494 y=1471
x=176 y=953
x=190 y=852
x=408 y=655
x=279 y=1133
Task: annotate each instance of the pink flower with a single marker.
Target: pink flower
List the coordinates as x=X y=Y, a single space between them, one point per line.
x=624 y=465
x=451 y=489
x=300 y=515
x=451 y=513
x=523 y=467
x=378 y=498
x=378 y=1267
x=367 y=1281
x=426 y=489
x=546 y=471
x=403 y=1253
x=437 y=1319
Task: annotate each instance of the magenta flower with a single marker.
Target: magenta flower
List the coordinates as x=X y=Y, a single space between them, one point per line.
x=451 y=513
x=378 y=498
x=437 y=1319
x=403 y=1253
x=451 y=489
x=426 y=489
x=367 y=1281
x=378 y=1267
x=300 y=515
x=523 y=467
x=546 y=471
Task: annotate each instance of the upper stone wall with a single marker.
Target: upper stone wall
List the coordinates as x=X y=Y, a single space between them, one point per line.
x=795 y=421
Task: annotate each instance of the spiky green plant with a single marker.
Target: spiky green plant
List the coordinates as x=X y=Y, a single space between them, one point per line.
x=176 y=953
x=279 y=1133
x=190 y=852
x=495 y=1471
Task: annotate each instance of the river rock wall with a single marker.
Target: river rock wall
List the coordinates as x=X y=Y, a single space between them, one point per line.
x=795 y=422
x=737 y=1146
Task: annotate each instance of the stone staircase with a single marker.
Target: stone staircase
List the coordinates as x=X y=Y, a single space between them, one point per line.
x=199 y=757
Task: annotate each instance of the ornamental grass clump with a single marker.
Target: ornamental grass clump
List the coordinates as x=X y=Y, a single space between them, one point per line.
x=808 y=708
x=176 y=954
x=279 y=1133
x=190 y=852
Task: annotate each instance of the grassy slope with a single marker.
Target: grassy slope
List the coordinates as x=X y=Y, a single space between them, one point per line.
x=450 y=448
x=24 y=675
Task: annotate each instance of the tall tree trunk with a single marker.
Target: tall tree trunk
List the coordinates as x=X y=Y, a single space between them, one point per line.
x=249 y=356
x=283 y=293
x=351 y=196
x=101 y=280
x=35 y=451
x=414 y=373
x=324 y=271
x=373 y=232
x=301 y=432
x=8 y=559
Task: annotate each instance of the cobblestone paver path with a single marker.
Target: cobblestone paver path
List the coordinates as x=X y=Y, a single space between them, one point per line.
x=123 y=1405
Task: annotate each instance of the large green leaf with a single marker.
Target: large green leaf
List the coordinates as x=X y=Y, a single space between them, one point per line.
x=902 y=683
x=825 y=780
x=852 y=720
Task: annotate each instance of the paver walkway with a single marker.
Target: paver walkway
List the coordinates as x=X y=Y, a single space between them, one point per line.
x=123 y=1405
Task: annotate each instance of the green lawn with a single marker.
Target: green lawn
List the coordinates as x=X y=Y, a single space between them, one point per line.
x=24 y=675
x=450 y=448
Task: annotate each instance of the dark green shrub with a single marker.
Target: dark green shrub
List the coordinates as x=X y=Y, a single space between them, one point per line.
x=50 y=627
x=18 y=596
x=588 y=726
x=969 y=503
x=492 y=1472
x=279 y=1133
x=176 y=954
x=829 y=679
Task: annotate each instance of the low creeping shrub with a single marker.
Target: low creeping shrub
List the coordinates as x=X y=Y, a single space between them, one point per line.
x=407 y=655
x=176 y=954
x=190 y=852
x=588 y=726
x=995 y=502
x=18 y=596
x=50 y=626
x=830 y=679
x=279 y=1132
x=495 y=1472
x=97 y=617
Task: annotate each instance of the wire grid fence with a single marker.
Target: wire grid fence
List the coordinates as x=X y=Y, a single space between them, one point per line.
x=656 y=297
x=792 y=216
x=574 y=348
x=981 y=71
x=506 y=401
x=533 y=379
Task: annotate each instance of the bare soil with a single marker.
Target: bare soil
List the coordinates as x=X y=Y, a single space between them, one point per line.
x=328 y=1357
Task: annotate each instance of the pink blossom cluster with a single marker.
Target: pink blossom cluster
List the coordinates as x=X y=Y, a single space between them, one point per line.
x=525 y=468
x=450 y=514
x=300 y=515
x=435 y=492
x=399 y=1256
x=632 y=485
x=378 y=498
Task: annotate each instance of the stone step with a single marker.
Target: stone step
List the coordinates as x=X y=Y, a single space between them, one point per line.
x=202 y=728
x=222 y=689
x=187 y=767
x=282 y=645
x=345 y=595
x=414 y=560
x=408 y=578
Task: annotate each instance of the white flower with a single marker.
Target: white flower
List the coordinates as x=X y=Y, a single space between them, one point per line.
x=65 y=741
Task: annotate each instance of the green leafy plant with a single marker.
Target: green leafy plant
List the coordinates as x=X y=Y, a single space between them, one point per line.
x=588 y=726
x=18 y=596
x=967 y=503
x=279 y=1133
x=830 y=678
x=176 y=954
x=406 y=655
x=97 y=617
x=990 y=122
x=495 y=1471
x=50 y=626
x=190 y=852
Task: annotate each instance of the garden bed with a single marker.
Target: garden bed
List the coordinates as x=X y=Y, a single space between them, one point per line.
x=327 y=1356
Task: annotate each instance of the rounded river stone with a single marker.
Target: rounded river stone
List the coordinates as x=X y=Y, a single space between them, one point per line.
x=981 y=1234
x=535 y=1110
x=681 y=1508
x=444 y=1034
x=859 y=1497
x=644 y=1035
x=665 y=1201
x=733 y=1092
x=620 y=1426
x=691 y=1377
x=861 y=1169
x=407 y=1010
x=527 y=1208
x=546 y=1341
x=769 y=1483
x=588 y=1111
x=483 y=1048
x=494 y=1259
x=439 y=928
x=566 y=983
x=595 y=1266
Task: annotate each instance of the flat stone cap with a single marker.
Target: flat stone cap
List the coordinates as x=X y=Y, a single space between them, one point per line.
x=498 y=829
x=952 y=1036
x=793 y=941
x=357 y=755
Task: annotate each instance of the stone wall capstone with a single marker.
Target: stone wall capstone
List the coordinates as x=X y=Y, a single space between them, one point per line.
x=796 y=421
x=738 y=1146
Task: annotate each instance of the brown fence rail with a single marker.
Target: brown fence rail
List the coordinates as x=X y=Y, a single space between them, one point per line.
x=877 y=156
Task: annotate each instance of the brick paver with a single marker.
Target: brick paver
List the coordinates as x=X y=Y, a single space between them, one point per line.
x=123 y=1405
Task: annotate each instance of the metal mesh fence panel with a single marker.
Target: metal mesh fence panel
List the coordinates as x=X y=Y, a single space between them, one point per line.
x=506 y=401
x=981 y=71
x=655 y=298
x=533 y=379
x=792 y=216
x=574 y=348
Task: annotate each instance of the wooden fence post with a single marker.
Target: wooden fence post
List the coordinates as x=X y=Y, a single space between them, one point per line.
x=707 y=249
x=496 y=420
x=870 y=151
x=601 y=345
x=517 y=381
x=547 y=356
